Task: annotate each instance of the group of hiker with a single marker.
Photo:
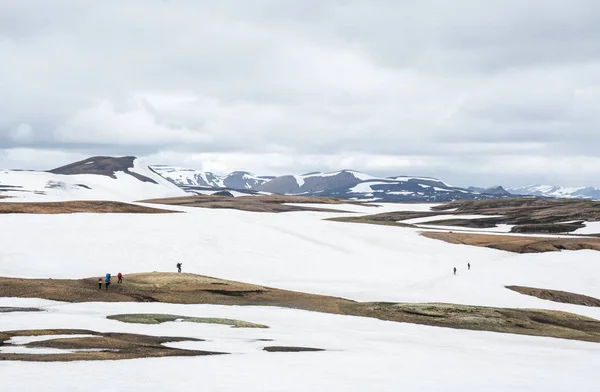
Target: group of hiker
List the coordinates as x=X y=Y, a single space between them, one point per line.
x=107 y=278
x=468 y=267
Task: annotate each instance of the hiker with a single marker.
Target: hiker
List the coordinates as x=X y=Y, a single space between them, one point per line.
x=454 y=270
x=120 y=276
x=468 y=265
x=99 y=283
x=178 y=267
x=107 y=280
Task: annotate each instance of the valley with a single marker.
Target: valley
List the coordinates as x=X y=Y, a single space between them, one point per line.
x=275 y=283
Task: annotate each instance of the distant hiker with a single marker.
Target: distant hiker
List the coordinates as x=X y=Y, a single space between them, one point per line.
x=178 y=267
x=469 y=265
x=120 y=276
x=454 y=270
x=99 y=283
x=107 y=280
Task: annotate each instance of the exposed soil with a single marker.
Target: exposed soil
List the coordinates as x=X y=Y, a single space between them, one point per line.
x=108 y=346
x=69 y=207
x=285 y=349
x=517 y=244
x=557 y=296
x=103 y=166
x=148 y=318
x=267 y=203
x=527 y=215
x=196 y=289
x=536 y=215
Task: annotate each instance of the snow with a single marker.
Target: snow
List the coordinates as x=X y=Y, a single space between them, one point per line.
x=299 y=180
x=30 y=339
x=365 y=187
x=556 y=191
x=36 y=186
x=15 y=345
x=590 y=228
x=363 y=176
x=363 y=355
x=297 y=251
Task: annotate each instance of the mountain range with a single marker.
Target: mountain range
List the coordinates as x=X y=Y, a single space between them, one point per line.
x=128 y=178
x=356 y=185
x=346 y=184
x=589 y=193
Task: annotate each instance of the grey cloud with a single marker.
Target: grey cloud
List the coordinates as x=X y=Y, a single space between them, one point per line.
x=456 y=88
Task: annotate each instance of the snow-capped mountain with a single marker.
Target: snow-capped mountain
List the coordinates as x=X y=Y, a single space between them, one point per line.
x=348 y=184
x=494 y=190
x=355 y=185
x=100 y=178
x=558 y=191
x=187 y=178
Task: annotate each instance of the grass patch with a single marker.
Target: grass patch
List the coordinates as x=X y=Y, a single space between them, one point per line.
x=196 y=289
x=163 y=318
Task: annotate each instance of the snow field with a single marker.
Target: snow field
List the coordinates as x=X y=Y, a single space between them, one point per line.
x=590 y=228
x=363 y=354
x=295 y=251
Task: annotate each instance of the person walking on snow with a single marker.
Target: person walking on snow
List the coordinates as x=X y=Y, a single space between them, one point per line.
x=99 y=283
x=454 y=270
x=178 y=267
x=107 y=280
x=468 y=265
x=120 y=277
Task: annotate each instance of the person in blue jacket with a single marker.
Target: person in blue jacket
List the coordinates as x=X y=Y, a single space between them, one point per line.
x=107 y=280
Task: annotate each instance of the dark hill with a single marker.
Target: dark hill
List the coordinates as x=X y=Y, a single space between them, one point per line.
x=103 y=166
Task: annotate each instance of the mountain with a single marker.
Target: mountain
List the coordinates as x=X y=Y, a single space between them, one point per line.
x=347 y=184
x=354 y=185
x=558 y=191
x=495 y=190
x=196 y=181
x=103 y=178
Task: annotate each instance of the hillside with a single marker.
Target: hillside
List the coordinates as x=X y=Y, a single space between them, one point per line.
x=344 y=184
x=589 y=193
x=103 y=178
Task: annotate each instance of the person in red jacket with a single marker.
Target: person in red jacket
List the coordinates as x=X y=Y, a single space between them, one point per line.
x=120 y=277
x=100 y=283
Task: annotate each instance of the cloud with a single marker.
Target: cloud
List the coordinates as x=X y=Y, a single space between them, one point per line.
x=474 y=92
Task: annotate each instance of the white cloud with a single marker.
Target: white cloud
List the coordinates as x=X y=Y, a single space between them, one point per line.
x=396 y=87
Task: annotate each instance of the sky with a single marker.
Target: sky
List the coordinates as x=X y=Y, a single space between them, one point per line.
x=472 y=92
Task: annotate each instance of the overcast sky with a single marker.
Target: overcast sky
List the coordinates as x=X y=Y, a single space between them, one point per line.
x=473 y=92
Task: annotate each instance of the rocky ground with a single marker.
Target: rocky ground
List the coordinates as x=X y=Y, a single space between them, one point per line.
x=266 y=203
x=516 y=244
